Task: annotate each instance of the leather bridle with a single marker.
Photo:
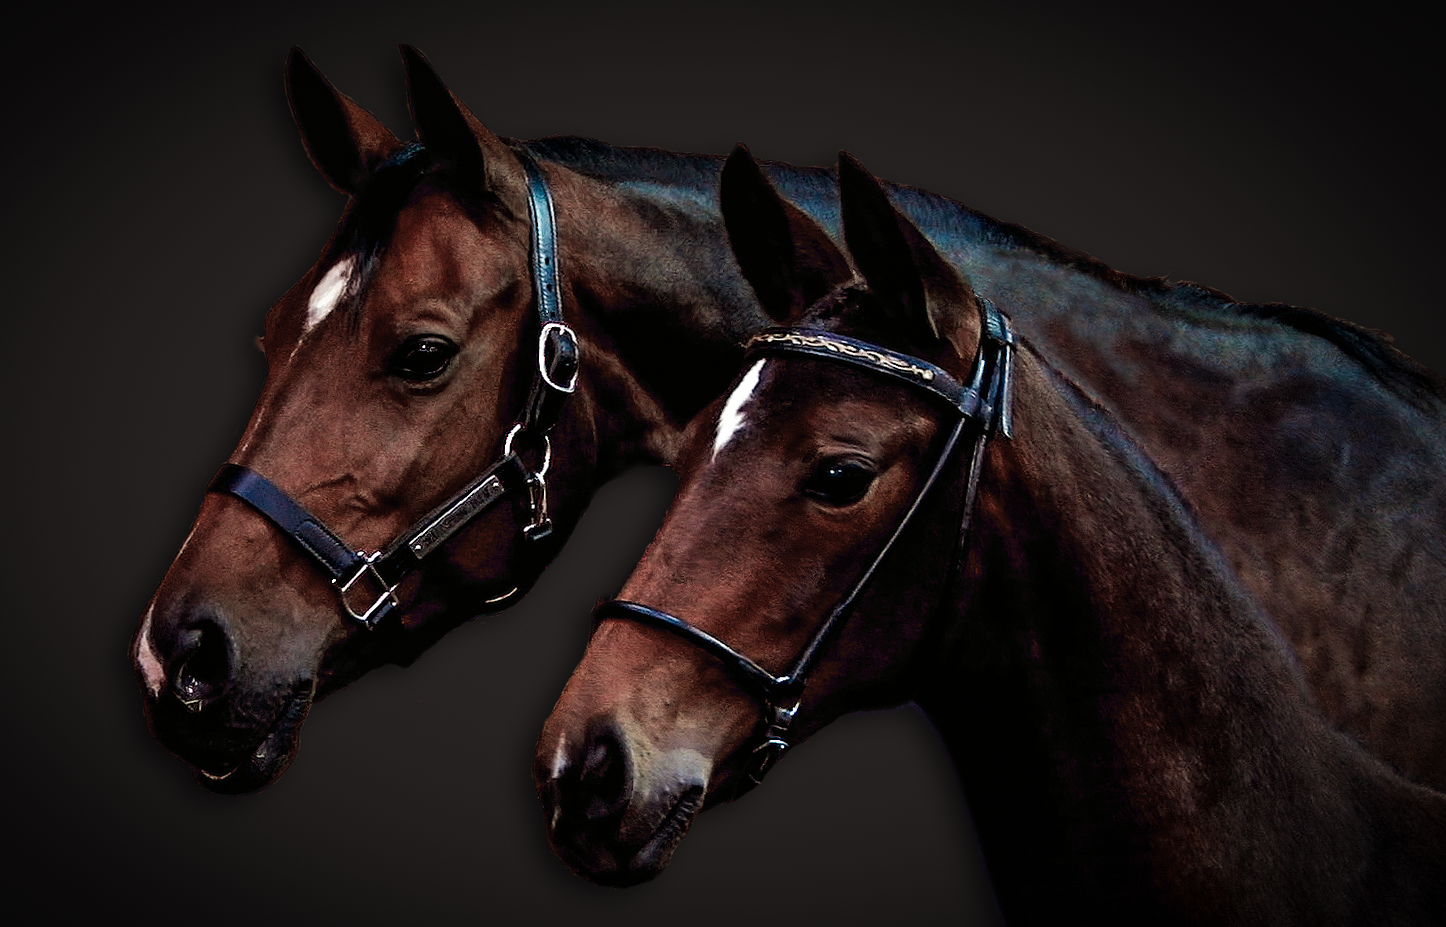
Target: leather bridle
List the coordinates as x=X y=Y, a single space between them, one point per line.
x=378 y=574
x=984 y=404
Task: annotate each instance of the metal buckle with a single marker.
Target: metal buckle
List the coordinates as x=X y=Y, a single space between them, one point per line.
x=384 y=602
x=766 y=754
x=565 y=337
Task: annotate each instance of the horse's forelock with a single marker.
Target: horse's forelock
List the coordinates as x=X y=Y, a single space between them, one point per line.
x=855 y=310
x=372 y=218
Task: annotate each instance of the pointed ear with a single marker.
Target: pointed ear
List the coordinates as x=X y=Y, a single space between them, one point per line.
x=789 y=259
x=344 y=141
x=449 y=130
x=899 y=264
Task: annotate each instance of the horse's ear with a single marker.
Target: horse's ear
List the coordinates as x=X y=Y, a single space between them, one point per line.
x=344 y=141
x=448 y=128
x=897 y=261
x=787 y=257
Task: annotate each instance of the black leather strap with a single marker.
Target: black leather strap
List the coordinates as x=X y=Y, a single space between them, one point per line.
x=557 y=348
x=376 y=576
x=294 y=521
x=984 y=403
x=366 y=584
x=768 y=687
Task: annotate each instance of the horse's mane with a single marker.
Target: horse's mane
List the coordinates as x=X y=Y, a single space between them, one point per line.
x=1371 y=349
x=368 y=229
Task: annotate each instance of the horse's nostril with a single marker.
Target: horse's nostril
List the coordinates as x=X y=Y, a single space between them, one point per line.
x=604 y=778
x=597 y=784
x=203 y=665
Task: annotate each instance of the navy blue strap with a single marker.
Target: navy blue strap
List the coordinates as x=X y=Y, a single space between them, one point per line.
x=287 y=514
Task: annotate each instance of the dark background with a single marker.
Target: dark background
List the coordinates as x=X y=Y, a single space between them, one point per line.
x=158 y=201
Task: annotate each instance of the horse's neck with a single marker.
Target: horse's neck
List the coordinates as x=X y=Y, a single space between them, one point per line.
x=666 y=309
x=1132 y=733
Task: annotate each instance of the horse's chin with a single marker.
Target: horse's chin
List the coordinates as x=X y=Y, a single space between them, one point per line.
x=268 y=760
x=606 y=867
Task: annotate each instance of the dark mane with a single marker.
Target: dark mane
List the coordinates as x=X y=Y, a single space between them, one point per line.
x=695 y=177
x=1369 y=348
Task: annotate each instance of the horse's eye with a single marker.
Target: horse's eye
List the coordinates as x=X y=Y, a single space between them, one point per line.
x=423 y=357
x=839 y=482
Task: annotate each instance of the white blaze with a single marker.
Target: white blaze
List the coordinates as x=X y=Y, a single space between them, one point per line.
x=329 y=292
x=731 y=418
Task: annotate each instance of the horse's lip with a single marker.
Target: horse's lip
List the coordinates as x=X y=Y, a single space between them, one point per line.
x=269 y=758
x=655 y=855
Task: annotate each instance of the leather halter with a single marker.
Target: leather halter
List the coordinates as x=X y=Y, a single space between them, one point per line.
x=378 y=574
x=984 y=402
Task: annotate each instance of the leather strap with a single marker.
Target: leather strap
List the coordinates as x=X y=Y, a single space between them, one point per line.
x=557 y=348
x=985 y=403
x=372 y=579
x=301 y=526
x=378 y=574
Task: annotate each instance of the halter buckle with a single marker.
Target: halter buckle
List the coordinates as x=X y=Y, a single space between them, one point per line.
x=561 y=362
x=767 y=754
x=383 y=603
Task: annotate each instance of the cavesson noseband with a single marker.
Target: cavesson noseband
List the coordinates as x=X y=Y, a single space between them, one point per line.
x=984 y=403
x=554 y=378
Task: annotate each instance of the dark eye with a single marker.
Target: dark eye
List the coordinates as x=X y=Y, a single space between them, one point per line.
x=423 y=357
x=839 y=482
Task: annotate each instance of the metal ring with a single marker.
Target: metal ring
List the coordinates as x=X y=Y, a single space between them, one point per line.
x=546 y=449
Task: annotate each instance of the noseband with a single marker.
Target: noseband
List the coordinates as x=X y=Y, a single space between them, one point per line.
x=372 y=579
x=983 y=404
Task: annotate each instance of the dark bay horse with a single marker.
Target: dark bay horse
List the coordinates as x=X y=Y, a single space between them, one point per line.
x=1134 y=735
x=400 y=363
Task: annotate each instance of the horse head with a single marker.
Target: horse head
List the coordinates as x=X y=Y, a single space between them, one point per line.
x=790 y=484
x=400 y=367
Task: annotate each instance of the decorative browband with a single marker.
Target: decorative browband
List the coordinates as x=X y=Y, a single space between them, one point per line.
x=911 y=370
x=855 y=350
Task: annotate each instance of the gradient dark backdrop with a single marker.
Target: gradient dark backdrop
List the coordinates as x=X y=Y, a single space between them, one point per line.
x=159 y=201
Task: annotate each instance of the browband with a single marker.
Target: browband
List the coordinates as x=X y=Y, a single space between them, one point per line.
x=984 y=401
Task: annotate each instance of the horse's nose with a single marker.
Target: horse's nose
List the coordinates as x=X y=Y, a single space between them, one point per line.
x=593 y=783
x=201 y=661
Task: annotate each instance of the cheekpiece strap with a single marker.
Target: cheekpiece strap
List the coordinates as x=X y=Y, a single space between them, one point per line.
x=558 y=352
x=544 y=240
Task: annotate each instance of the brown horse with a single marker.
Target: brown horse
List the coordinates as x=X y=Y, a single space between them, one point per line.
x=400 y=363
x=1134 y=736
